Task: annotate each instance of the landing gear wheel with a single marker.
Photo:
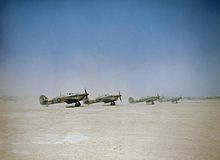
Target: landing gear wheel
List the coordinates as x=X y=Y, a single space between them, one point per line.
x=152 y=103
x=112 y=103
x=77 y=104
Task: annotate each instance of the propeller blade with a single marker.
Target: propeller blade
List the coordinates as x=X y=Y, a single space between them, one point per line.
x=120 y=96
x=86 y=93
x=158 y=95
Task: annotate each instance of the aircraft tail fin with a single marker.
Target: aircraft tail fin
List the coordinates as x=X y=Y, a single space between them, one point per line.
x=43 y=100
x=131 y=100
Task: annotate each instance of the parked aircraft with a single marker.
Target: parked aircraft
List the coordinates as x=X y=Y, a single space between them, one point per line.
x=175 y=99
x=69 y=98
x=172 y=99
x=105 y=99
x=147 y=99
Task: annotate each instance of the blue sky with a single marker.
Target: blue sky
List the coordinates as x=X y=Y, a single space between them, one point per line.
x=138 y=47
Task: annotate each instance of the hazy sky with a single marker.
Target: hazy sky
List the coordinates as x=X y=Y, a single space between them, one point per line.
x=137 y=47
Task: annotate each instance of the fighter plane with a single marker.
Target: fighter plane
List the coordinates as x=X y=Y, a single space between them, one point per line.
x=69 y=98
x=106 y=99
x=175 y=99
x=144 y=99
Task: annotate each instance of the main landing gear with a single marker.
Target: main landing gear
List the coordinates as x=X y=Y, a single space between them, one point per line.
x=112 y=103
x=152 y=102
x=77 y=104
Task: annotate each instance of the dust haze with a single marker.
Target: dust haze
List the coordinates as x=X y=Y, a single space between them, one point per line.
x=140 y=48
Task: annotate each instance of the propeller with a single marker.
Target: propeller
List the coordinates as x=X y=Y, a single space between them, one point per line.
x=86 y=93
x=119 y=94
x=86 y=97
x=158 y=96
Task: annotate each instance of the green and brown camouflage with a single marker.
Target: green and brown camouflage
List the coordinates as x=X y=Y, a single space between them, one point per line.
x=105 y=99
x=170 y=99
x=68 y=98
x=175 y=99
x=148 y=99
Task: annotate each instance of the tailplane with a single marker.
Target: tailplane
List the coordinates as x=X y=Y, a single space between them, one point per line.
x=43 y=100
x=88 y=102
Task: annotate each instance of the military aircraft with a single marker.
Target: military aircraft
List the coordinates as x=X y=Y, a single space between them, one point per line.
x=106 y=99
x=147 y=99
x=69 y=98
x=170 y=99
x=175 y=99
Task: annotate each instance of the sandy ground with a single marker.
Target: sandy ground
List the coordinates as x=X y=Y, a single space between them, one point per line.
x=164 y=131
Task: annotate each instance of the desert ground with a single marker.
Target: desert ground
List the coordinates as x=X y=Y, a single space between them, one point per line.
x=164 y=131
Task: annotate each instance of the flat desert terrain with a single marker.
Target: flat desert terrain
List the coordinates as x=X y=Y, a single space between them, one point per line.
x=164 y=131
